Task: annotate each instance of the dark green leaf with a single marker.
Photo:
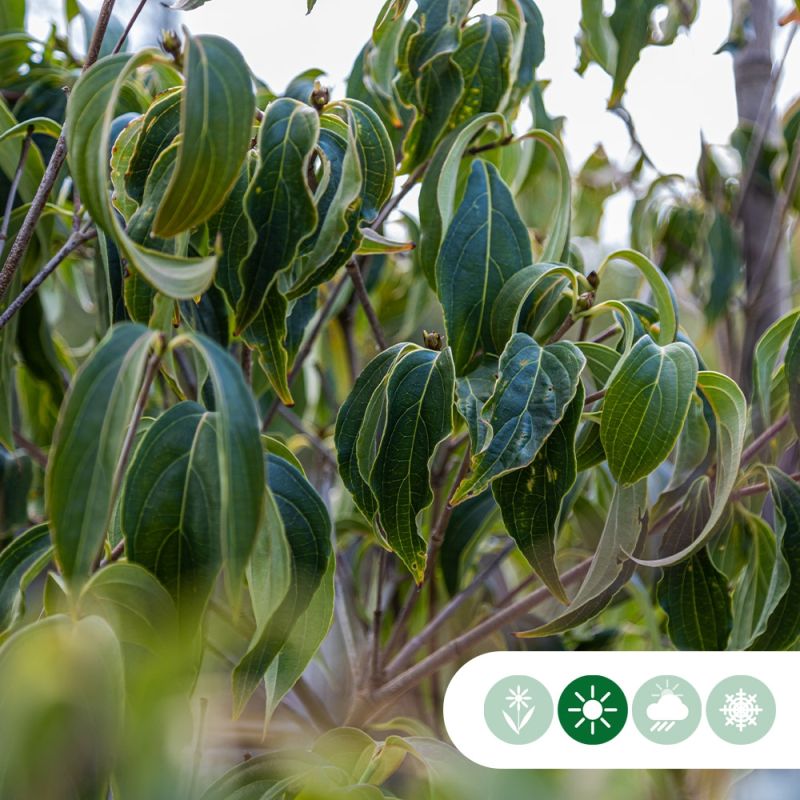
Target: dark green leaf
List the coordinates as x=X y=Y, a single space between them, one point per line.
x=534 y=389
x=419 y=414
x=215 y=134
x=20 y=561
x=694 y=593
x=88 y=442
x=171 y=506
x=531 y=499
x=783 y=625
x=278 y=203
x=645 y=407
x=792 y=371
x=484 y=246
x=307 y=528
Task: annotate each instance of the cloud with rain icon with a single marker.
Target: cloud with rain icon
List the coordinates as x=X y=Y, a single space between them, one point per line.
x=668 y=710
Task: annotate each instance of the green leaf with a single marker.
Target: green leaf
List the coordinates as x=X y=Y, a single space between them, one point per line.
x=278 y=203
x=730 y=413
x=694 y=593
x=762 y=582
x=136 y=606
x=531 y=396
x=663 y=293
x=12 y=15
x=349 y=423
x=336 y=236
x=171 y=506
x=307 y=529
x=630 y=24
x=484 y=246
x=160 y=125
x=307 y=635
x=419 y=415
x=531 y=499
x=437 y=196
x=34 y=125
x=214 y=133
x=782 y=625
x=91 y=429
x=611 y=567
x=768 y=350
x=484 y=58
x=472 y=392
x=645 y=407
x=726 y=263
x=90 y=114
x=792 y=371
x=239 y=458
x=20 y=561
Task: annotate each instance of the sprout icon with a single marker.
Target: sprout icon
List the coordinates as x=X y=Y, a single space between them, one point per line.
x=668 y=709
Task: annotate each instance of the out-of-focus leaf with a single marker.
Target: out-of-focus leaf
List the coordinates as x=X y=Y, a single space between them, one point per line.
x=645 y=407
x=113 y=32
x=485 y=244
x=216 y=136
x=694 y=593
x=20 y=562
x=726 y=264
x=12 y=16
x=92 y=426
x=16 y=479
x=531 y=499
x=535 y=387
x=792 y=372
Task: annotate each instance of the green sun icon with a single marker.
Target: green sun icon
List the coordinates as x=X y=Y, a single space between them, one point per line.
x=592 y=709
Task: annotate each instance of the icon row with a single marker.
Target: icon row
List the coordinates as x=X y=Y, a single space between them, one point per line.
x=593 y=709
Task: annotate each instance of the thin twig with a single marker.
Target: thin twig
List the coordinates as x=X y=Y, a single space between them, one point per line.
x=307 y=346
x=407 y=652
x=33 y=450
x=562 y=329
x=434 y=545
x=70 y=246
x=12 y=192
x=753 y=449
x=131 y=22
x=303 y=430
x=354 y=271
x=612 y=330
x=395 y=201
x=23 y=238
x=377 y=616
x=594 y=397
x=757 y=488
x=400 y=684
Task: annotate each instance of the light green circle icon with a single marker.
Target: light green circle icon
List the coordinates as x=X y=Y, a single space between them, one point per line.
x=667 y=709
x=741 y=709
x=518 y=709
x=592 y=709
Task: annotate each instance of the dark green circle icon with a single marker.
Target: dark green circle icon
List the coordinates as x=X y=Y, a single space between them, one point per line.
x=518 y=709
x=592 y=709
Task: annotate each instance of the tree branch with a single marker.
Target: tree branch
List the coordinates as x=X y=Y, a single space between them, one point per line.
x=354 y=271
x=70 y=246
x=12 y=192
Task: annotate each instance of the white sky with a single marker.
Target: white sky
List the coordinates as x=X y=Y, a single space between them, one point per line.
x=674 y=92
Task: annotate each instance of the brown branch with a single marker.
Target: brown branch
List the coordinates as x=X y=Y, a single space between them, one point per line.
x=354 y=271
x=368 y=706
x=70 y=246
x=12 y=192
x=413 y=645
x=395 y=201
x=750 y=452
x=302 y=429
x=131 y=22
x=23 y=238
x=594 y=397
x=35 y=452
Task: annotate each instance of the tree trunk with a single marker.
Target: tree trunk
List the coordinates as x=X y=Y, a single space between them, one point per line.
x=766 y=279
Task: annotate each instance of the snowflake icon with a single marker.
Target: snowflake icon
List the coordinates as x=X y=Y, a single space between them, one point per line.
x=741 y=710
